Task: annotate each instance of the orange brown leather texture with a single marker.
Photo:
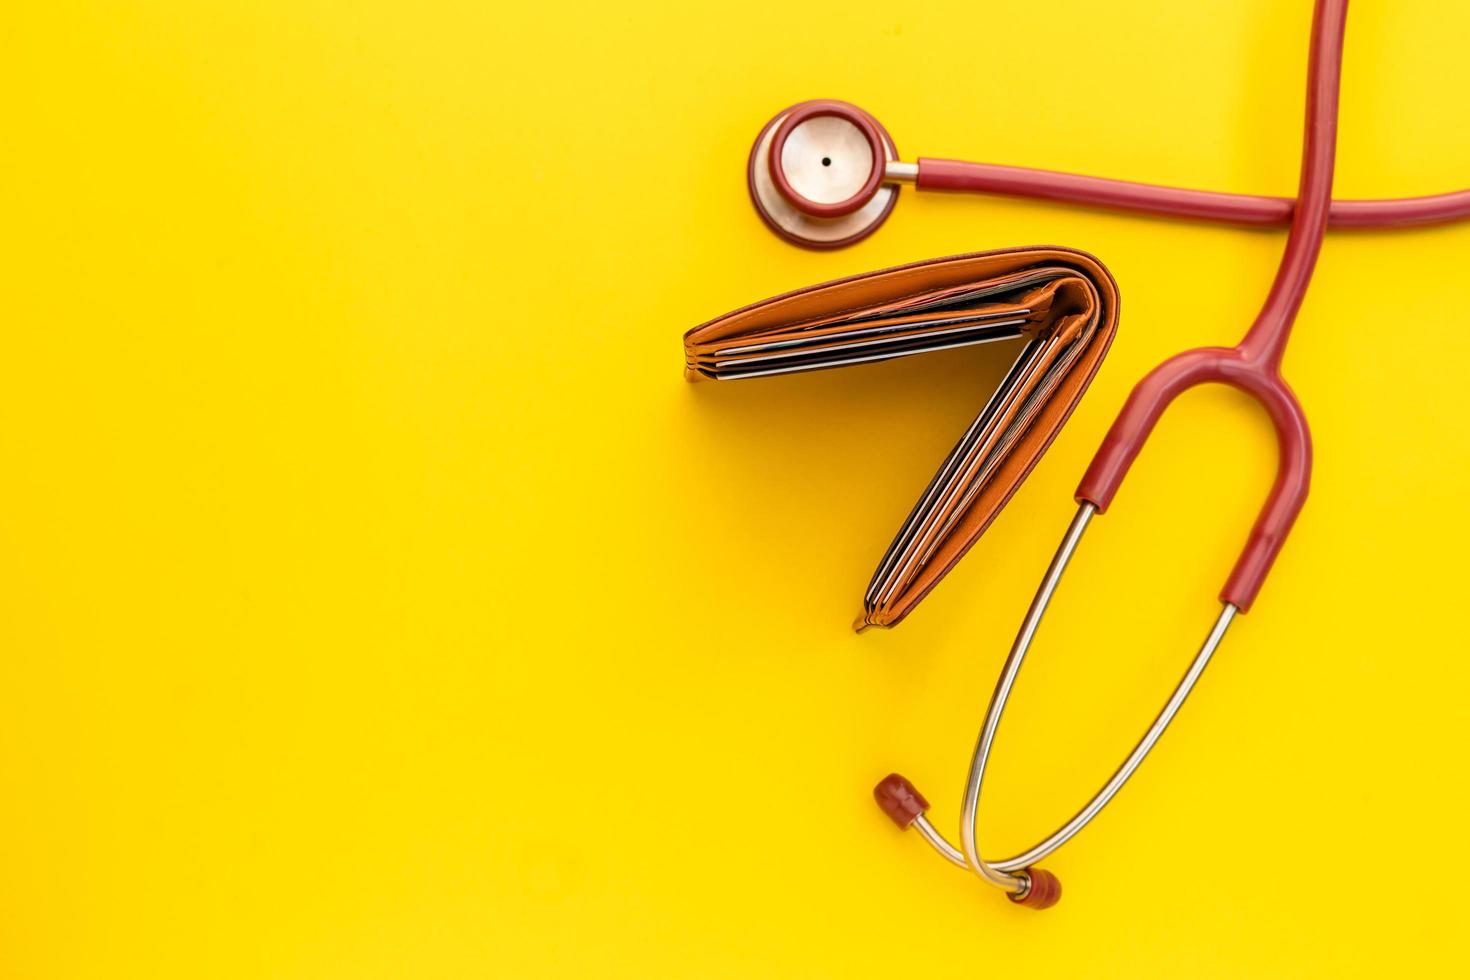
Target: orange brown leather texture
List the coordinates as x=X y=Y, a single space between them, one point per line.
x=1060 y=304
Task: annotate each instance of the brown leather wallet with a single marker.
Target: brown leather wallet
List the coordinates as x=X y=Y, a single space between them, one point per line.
x=1059 y=303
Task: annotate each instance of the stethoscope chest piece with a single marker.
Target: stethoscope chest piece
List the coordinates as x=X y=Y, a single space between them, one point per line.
x=817 y=172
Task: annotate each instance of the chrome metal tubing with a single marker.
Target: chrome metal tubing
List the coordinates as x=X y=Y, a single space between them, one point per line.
x=970 y=810
x=1140 y=751
x=1009 y=873
x=946 y=850
x=898 y=171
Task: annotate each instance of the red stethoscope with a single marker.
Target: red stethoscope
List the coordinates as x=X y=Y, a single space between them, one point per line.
x=825 y=174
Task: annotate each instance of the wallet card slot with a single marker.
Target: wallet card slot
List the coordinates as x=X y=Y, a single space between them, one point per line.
x=923 y=345
x=960 y=294
x=883 y=335
x=888 y=325
x=970 y=460
x=1018 y=427
x=941 y=480
x=1014 y=288
x=970 y=466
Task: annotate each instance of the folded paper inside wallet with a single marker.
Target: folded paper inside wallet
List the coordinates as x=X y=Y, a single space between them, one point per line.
x=1060 y=304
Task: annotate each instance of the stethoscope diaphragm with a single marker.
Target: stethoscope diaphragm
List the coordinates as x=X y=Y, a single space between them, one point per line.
x=818 y=174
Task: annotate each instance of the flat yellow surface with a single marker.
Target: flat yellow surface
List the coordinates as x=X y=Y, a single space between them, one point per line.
x=377 y=600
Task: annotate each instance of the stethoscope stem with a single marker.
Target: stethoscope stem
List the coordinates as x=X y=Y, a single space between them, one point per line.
x=899 y=172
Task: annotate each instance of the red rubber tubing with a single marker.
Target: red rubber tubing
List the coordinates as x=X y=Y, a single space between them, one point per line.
x=1179 y=202
x=1253 y=366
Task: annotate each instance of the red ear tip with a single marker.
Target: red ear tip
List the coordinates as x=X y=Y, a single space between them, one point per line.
x=1045 y=890
x=897 y=797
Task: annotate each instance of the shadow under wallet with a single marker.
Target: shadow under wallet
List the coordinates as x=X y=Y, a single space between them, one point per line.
x=1061 y=302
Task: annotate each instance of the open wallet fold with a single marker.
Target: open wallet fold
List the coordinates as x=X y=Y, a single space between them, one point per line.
x=1061 y=305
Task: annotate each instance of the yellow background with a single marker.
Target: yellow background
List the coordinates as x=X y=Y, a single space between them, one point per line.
x=377 y=600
